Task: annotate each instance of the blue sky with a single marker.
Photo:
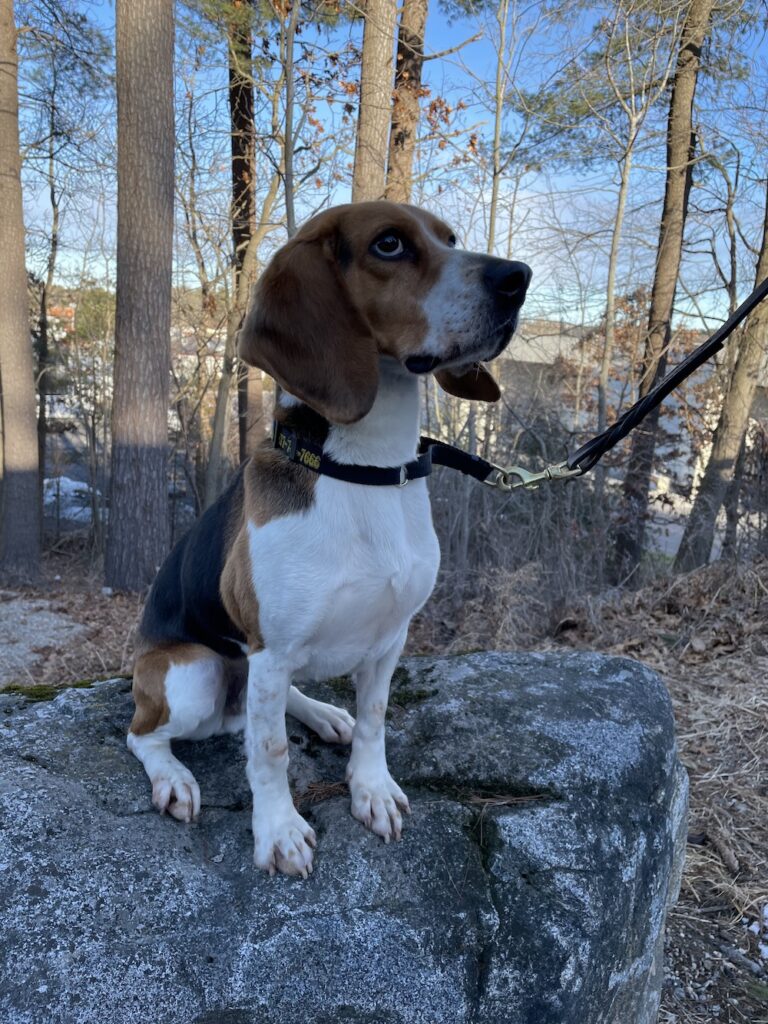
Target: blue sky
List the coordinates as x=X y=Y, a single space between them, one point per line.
x=555 y=203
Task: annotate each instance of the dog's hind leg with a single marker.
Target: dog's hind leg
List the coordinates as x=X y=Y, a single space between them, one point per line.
x=332 y=724
x=180 y=693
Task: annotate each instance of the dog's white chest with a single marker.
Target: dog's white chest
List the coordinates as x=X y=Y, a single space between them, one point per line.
x=338 y=585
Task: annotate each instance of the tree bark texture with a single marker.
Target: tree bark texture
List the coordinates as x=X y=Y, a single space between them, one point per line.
x=217 y=462
x=43 y=346
x=19 y=499
x=139 y=528
x=502 y=14
x=681 y=144
x=288 y=33
x=250 y=406
x=375 y=114
x=696 y=544
x=243 y=143
x=731 y=503
x=406 y=107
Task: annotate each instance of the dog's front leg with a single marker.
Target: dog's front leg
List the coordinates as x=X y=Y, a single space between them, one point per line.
x=377 y=800
x=283 y=841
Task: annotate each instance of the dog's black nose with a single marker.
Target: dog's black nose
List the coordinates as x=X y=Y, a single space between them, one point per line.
x=507 y=279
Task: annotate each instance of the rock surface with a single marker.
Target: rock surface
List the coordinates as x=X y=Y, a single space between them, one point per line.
x=531 y=885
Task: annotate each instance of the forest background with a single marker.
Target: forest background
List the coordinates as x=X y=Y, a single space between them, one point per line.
x=619 y=150
x=154 y=155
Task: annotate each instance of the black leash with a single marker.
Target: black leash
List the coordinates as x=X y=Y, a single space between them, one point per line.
x=437 y=453
x=591 y=452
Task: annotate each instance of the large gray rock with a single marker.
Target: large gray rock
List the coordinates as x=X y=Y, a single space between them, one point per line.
x=531 y=885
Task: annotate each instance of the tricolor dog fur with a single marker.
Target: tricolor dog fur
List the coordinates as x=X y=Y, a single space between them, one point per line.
x=292 y=576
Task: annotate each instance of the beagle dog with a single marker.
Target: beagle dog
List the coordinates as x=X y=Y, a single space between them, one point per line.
x=292 y=575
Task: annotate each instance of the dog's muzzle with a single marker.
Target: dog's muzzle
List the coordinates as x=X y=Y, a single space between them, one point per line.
x=506 y=282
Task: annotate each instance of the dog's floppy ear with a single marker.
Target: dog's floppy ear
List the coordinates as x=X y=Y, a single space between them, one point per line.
x=476 y=383
x=304 y=329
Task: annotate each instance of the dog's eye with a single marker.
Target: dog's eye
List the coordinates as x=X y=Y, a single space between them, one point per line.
x=389 y=246
x=452 y=241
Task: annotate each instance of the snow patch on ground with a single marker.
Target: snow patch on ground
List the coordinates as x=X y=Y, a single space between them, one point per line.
x=759 y=927
x=67 y=498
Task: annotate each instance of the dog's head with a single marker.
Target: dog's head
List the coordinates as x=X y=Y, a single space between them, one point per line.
x=371 y=279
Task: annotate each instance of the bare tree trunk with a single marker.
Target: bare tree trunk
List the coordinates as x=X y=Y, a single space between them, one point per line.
x=610 y=311
x=139 y=525
x=214 y=479
x=43 y=350
x=43 y=363
x=251 y=424
x=242 y=136
x=502 y=14
x=464 y=491
x=243 y=142
x=681 y=144
x=20 y=499
x=290 y=102
x=610 y=298
x=406 y=108
x=214 y=475
x=731 y=502
x=215 y=466
x=696 y=545
x=376 y=84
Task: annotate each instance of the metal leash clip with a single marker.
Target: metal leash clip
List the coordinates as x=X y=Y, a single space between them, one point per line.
x=501 y=478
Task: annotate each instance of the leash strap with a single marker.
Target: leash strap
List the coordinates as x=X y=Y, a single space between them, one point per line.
x=590 y=453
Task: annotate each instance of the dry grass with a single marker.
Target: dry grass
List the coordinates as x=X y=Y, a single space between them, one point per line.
x=504 y=611
x=104 y=649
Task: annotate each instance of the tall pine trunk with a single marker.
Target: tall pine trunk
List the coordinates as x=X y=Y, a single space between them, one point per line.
x=502 y=14
x=19 y=497
x=243 y=145
x=406 y=107
x=43 y=344
x=681 y=144
x=139 y=528
x=696 y=545
x=287 y=41
x=375 y=115
x=215 y=470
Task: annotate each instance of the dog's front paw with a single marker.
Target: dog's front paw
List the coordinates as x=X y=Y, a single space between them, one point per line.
x=377 y=801
x=332 y=724
x=175 y=790
x=284 y=842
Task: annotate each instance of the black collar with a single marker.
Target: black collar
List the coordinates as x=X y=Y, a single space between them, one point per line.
x=430 y=452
